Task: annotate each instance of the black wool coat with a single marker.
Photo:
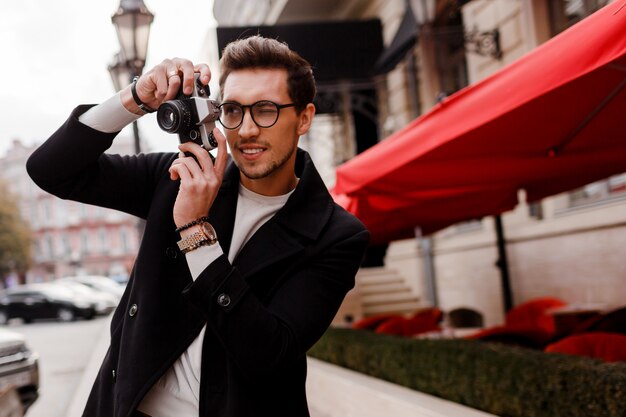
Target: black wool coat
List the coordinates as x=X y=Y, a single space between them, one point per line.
x=263 y=312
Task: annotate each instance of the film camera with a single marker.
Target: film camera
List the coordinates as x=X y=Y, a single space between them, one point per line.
x=192 y=117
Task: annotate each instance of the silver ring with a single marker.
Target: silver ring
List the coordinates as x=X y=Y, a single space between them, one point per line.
x=171 y=74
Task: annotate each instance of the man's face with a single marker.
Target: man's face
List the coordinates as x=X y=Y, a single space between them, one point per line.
x=265 y=156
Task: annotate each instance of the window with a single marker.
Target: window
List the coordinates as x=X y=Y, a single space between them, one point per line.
x=535 y=210
x=124 y=239
x=599 y=191
x=450 y=58
x=565 y=13
x=47 y=212
x=49 y=246
x=102 y=233
x=84 y=240
x=67 y=247
x=467 y=226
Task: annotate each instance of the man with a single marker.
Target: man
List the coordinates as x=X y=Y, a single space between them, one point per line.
x=243 y=264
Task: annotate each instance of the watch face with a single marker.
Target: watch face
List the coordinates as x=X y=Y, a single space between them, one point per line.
x=208 y=230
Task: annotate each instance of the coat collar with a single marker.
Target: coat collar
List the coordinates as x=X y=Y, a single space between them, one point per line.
x=303 y=216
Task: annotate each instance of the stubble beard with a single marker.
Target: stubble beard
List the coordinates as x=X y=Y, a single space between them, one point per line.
x=272 y=167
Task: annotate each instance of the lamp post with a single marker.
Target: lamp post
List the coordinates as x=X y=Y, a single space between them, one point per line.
x=119 y=71
x=132 y=23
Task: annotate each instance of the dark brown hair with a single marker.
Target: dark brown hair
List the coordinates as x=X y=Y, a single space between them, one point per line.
x=259 y=52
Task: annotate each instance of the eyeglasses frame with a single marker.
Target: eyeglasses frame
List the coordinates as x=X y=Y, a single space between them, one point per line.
x=249 y=107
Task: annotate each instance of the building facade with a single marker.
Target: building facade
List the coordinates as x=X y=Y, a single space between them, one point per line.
x=570 y=245
x=70 y=238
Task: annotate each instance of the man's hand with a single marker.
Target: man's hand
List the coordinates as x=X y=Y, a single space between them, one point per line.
x=162 y=82
x=200 y=179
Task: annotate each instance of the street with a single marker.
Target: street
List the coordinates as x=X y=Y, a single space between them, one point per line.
x=64 y=351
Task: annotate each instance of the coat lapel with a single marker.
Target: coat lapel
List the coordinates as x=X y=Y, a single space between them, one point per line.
x=222 y=214
x=299 y=221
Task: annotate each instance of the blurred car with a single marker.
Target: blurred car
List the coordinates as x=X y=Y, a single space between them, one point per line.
x=41 y=301
x=121 y=279
x=19 y=367
x=104 y=302
x=99 y=283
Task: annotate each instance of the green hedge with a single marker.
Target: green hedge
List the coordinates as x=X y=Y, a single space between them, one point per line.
x=504 y=380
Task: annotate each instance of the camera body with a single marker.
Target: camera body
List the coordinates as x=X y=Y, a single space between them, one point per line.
x=192 y=117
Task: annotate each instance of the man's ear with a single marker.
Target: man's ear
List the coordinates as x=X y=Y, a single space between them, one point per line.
x=306 y=117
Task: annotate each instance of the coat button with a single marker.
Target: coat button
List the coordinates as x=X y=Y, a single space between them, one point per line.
x=223 y=300
x=133 y=310
x=113 y=374
x=170 y=252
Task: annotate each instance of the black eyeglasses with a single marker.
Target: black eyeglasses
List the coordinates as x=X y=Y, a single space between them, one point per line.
x=264 y=113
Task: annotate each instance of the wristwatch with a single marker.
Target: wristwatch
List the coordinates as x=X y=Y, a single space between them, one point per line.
x=205 y=236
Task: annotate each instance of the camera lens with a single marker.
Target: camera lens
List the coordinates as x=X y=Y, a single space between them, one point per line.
x=174 y=116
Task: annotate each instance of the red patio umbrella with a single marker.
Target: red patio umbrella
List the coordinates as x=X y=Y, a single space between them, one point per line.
x=550 y=122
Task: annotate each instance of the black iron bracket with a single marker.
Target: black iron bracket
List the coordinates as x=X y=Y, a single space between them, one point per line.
x=484 y=43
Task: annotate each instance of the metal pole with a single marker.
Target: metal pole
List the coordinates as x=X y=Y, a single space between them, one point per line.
x=141 y=223
x=503 y=264
x=136 y=135
x=428 y=266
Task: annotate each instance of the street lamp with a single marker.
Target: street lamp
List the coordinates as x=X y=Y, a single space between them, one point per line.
x=119 y=71
x=132 y=23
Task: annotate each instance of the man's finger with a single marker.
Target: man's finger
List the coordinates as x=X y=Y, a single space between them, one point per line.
x=205 y=73
x=203 y=160
x=222 y=153
x=179 y=171
x=186 y=68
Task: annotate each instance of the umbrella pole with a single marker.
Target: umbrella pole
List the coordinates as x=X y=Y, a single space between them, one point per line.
x=425 y=245
x=503 y=264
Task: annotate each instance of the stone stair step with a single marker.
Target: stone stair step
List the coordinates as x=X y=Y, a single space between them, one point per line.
x=378 y=279
x=376 y=271
x=395 y=308
x=381 y=288
x=399 y=297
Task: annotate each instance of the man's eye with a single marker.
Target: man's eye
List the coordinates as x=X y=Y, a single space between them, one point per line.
x=230 y=110
x=265 y=108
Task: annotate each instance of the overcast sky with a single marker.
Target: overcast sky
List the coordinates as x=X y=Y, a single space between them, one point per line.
x=54 y=55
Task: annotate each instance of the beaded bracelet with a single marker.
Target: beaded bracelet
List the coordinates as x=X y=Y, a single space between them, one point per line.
x=142 y=106
x=192 y=223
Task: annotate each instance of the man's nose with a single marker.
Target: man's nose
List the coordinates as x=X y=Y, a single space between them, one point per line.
x=248 y=128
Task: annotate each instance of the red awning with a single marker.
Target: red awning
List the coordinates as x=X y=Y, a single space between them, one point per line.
x=550 y=122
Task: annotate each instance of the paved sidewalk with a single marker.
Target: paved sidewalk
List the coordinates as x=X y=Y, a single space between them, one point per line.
x=91 y=370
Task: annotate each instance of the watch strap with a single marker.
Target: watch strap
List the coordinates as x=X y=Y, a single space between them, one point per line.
x=141 y=104
x=186 y=247
x=197 y=239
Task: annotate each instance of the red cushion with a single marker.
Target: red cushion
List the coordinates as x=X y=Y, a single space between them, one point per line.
x=395 y=325
x=370 y=323
x=533 y=314
x=610 y=347
x=422 y=321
